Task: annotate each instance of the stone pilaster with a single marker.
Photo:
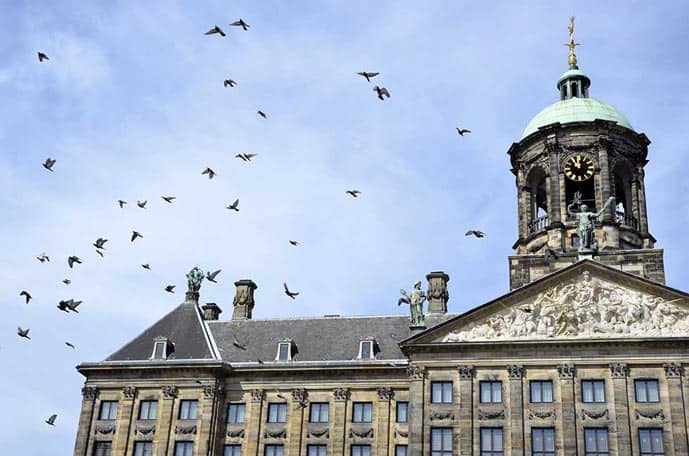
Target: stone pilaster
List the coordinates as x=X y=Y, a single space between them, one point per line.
x=254 y=419
x=515 y=408
x=567 y=373
x=90 y=394
x=415 y=411
x=339 y=420
x=167 y=417
x=466 y=409
x=605 y=173
x=385 y=397
x=300 y=402
x=673 y=374
x=619 y=372
x=208 y=407
x=125 y=420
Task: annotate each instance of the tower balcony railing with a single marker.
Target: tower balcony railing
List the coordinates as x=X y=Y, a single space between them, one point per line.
x=626 y=219
x=539 y=224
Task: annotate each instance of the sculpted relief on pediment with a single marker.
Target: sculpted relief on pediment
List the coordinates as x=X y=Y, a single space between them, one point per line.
x=584 y=308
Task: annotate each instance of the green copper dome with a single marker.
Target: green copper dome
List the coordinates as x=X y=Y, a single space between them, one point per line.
x=575 y=110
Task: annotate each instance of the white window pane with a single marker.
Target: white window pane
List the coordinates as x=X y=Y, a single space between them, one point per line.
x=447 y=439
x=657 y=440
x=497 y=392
x=548 y=392
x=587 y=391
x=653 y=395
x=485 y=392
x=497 y=439
x=602 y=440
x=549 y=440
x=600 y=391
x=537 y=439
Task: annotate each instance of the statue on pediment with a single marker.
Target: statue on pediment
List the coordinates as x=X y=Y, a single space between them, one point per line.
x=415 y=299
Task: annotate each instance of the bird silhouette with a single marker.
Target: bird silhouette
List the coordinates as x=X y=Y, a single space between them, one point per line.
x=354 y=193
x=245 y=157
x=382 y=92
x=136 y=234
x=42 y=56
x=43 y=258
x=278 y=394
x=262 y=114
x=289 y=293
x=99 y=252
x=241 y=23
x=27 y=296
x=368 y=75
x=229 y=82
x=100 y=243
x=70 y=345
x=210 y=276
x=49 y=163
x=146 y=266
x=23 y=332
x=68 y=305
x=238 y=344
x=142 y=204
x=461 y=131
x=209 y=172
x=215 y=30
x=294 y=243
x=475 y=233
x=234 y=206
x=66 y=281
x=168 y=199
x=170 y=288
x=72 y=260
x=121 y=203
x=51 y=419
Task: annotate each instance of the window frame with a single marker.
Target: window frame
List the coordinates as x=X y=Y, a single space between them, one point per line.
x=189 y=403
x=188 y=444
x=491 y=451
x=281 y=410
x=651 y=431
x=148 y=403
x=106 y=451
x=142 y=444
x=444 y=391
x=540 y=384
x=109 y=404
x=646 y=382
x=544 y=451
x=592 y=382
x=403 y=447
x=317 y=447
x=274 y=447
x=319 y=406
x=442 y=451
x=289 y=351
x=232 y=447
x=364 y=449
x=371 y=354
x=364 y=406
x=237 y=406
x=596 y=451
x=490 y=384
x=405 y=404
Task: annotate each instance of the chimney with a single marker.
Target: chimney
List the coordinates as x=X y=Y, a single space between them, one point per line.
x=243 y=299
x=211 y=311
x=437 y=294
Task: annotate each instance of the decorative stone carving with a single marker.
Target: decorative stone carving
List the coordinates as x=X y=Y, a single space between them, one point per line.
x=401 y=434
x=385 y=393
x=129 y=392
x=170 y=391
x=210 y=391
x=185 y=429
x=320 y=433
x=566 y=370
x=257 y=395
x=594 y=414
x=649 y=415
x=416 y=372
x=673 y=369
x=300 y=395
x=105 y=429
x=341 y=394
x=243 y=301
x=145 y=429
x=439 y=416
x=619 y=370
x=89 y=392
x=437 y=291
x=235 y=433
x=367 y=434
x=581 y=308
x=491 y=415
x=515 y=371
x=542 y=414
x=275 y=434
x=466 y=372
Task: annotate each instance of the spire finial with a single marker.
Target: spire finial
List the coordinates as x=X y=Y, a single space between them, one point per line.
x=572 y=45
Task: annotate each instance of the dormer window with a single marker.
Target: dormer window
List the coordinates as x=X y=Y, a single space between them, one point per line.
x=367 y=349
x=286 y=350
x=162 y=348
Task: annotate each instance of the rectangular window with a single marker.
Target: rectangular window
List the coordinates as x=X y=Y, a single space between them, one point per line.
x=541 y=391
x=361 y=450
x=232 y=450
x=143 y=449
x=596 y=442
x=366 y=349
x=646 y=390
x=148 y=410
x=283 y=352
x=319 y=412
x=491 y=392
x=159 y=350
x=441 y=392
x=361 y=412
x=277 y=412
x=542 y=441
x=102 y=449
x=274 y=450
x=184 y=448
x=441 y=441
x=400 y=450
x=491 y=442
x=108 y=410
x=593 y=390
x=401 y=412
x=316 y=450
x=235 y=413
x=188 y=409
x=651 y=442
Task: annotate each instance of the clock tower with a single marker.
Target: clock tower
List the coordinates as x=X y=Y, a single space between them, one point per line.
x=581 y=155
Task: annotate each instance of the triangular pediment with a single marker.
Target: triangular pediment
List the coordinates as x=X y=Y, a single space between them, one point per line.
x=584 y=301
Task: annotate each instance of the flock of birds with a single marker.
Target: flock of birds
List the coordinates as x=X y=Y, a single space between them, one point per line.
x=71 y=305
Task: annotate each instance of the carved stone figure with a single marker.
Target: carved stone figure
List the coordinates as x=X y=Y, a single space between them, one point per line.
x=586 y=227
x=415 y=299
x=194 y=279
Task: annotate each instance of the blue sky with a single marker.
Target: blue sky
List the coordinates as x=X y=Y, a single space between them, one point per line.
x=131 y=104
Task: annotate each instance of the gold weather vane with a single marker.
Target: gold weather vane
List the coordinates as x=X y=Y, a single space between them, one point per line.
x=572 y=45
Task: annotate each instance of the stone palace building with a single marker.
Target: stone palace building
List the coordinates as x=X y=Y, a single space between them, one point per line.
x=583 y=357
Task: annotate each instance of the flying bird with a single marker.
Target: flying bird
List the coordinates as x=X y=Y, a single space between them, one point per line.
x=354 y=193
x=142 y=204
x=168 y=199
x=69 y=304
x=43 y=258
x=51 y=419
x=136 y=234
x=26 y=295
x=214 y=30
x=66 y=281
x=100 y=243
x=229 y=82
x=49 y=163
x=210 y=172
x=289 y=293
x=170 y=288
x=461 y=131
x=238 y=344
x=73 y=259
x=368 y=75
x=262 y=114
x=121 y=203
x=70 y=345
x=241 y=23
x=382 y=92
x=210 y=276
x=99 y=253
x=475 y=233
x=146 y=266
x=245 y=157
x=42 y=56
x=294 y=243
x=23 y=332
x=234 y=206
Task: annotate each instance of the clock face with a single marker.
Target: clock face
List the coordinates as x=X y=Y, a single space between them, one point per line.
x=579 y=167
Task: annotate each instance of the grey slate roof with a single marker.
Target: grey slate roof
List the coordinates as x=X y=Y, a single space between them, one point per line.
x=316 y=339
x=182 y=326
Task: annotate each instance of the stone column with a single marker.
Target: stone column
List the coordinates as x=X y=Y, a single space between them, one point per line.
x=642 y=218
x=254 y=420
x=523 y=205
x=554 y=180
x=339 y=421
x=569 y=413
x=605 y=173
x=126 y=420
x=466 y=410
x=516 y=408
x=437 y=292
x=673 y=373
x=619 y=373
x=89 y=393
x=207 y=424
x=295 y=426
x=164 y=425
x=385 y=396
x=415 y=412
